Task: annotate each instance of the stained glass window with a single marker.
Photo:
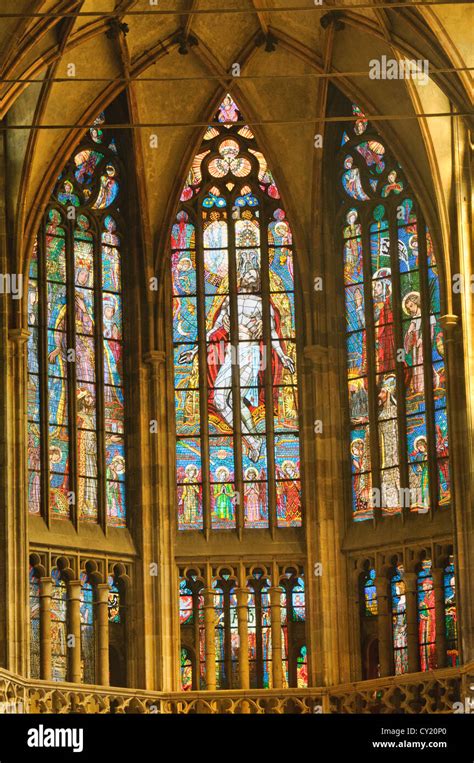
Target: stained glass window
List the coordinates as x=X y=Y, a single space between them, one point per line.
x=450 y=615
x=186 y=670
x=76 y=449
x=59 y=664
x=302 y=668
x=191 y=617
x=113 y=604
x=220 y=638
x=395 y=346
x=399 y=621
x=293 y=617
x=226 y=633
x=87 y=631
x=370 y=594
x=225 y=624
x=426 y=617
x=260 y=634
x=34 y=624
x=235 y=370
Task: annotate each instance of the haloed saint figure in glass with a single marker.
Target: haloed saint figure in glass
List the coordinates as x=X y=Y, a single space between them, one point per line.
x=235 y=353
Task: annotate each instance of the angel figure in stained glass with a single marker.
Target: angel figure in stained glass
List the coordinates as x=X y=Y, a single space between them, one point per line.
x=223 y=495
x=393 y=185
x=67 y=195
x=419 y=467
x=108 y=188
x=228 y=111
x=351 y=180
x=190 y=495
x=288 y=497
x=253 y=495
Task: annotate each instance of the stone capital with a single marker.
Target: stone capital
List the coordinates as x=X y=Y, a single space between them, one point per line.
x=45 y=587
x=74 y=589
x=19 y=337
x=154 y=358
x=449 y=322
x=102 y=593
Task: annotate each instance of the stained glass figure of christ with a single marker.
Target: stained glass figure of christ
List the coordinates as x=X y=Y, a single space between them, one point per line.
x=236 y=399
x=76 y=448
x=395 y=345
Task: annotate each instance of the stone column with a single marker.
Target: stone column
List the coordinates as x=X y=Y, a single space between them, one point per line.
x=438 y=584
x=384 y=627
x=210 y=641
x=74 y=629
x=410 y=579
x=275 y=613
x=45 y=628
x=15 y=523
x=242 y=618
x=459 y=341
x=103 y=633
x=156 y=614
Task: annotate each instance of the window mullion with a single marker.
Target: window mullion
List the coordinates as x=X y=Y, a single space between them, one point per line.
x=72 y=368
x=399 y=369
x=258 y=635
x=43 y=373
x=203 y=380
x=370 y=351
x=99 y=379
x=268 y=350
x=236 y=401
x=427 y=361
x=227 y=635
x=197 y=641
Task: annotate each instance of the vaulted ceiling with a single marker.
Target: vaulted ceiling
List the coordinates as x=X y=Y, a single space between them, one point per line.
x=280 y=91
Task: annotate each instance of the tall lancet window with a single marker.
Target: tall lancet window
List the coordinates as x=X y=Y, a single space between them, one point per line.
x=235 y=369
x=76 y=450
x=395 y=345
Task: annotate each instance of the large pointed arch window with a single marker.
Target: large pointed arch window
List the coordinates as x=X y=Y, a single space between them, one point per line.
x=235 y=370
x=395 y=345
x=76 y=450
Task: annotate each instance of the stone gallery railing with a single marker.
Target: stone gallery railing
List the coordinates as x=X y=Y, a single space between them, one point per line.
x=433 y=692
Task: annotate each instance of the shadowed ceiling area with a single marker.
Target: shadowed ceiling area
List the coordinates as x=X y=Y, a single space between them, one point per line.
x=175 y=60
